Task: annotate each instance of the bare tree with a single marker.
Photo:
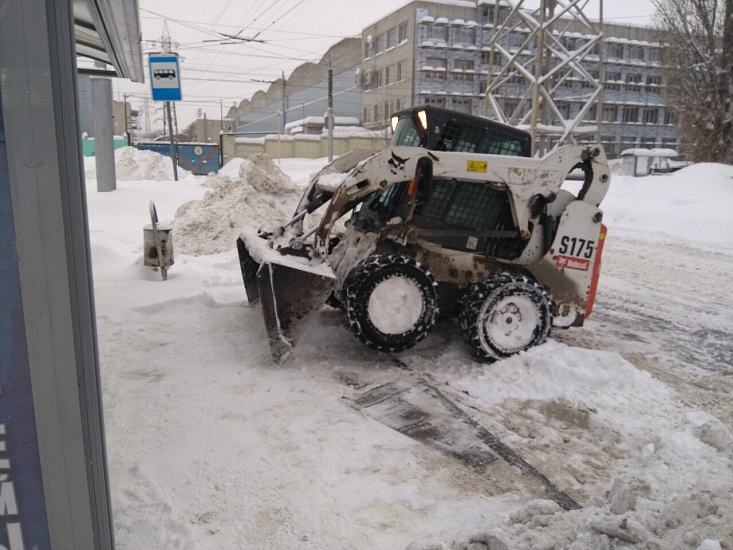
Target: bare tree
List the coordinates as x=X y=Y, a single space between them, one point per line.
x=698 y=57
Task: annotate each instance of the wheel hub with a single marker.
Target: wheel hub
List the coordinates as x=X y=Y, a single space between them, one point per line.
x=395 y=305
x=511 y=323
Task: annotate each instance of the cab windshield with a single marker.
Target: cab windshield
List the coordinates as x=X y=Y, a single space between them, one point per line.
x=407 y=133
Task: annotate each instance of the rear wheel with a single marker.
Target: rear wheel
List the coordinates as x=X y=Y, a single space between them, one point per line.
x=391 y=302
x=505 y=314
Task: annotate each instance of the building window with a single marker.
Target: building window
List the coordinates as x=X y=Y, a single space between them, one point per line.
x=437 y=101
x=588 y=84
x=669 y=118
x=401 y=104
x=391 y=38
x=437 y=32
x=648 y=142
x=437 y=63
x=612 y=80
x=631 y=114
x=389 y=75
x=379 y=44
x=464 y=35
x=568 y=43
x=463 y=65
x=402 y=33
x=377 y=116
x=366 y=81
x=633 y=81
x=367 y=50
x=516 y=40
x=365 y=115
x=655 y=55
x=636 y=53
x=653 y=83
x=669 y=142
x=651 y=116
x=610 y=113
x=461 y=105
x=615 y=51
x=590 y=115
x=401 y=71
x=487 y=15
x=564 y=110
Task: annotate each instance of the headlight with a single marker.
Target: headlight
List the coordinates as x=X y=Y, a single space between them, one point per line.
x=422 y=115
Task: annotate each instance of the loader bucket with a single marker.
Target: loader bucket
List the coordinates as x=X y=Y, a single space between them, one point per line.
x=249 y=272
x=290 y=297
x=291 y=293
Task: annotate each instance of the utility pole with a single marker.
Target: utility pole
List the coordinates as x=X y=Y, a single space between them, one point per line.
x=221 y=115
x=285 y=113
x=165 y=44
x=329 y=113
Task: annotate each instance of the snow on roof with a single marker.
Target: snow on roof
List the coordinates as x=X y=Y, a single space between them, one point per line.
x=641 y=152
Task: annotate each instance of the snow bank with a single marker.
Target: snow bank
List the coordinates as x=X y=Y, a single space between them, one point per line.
x=691 y=205
x=132 y=164
x=246 y=193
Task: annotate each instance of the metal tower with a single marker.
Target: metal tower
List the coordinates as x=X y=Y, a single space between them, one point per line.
x=546 y=70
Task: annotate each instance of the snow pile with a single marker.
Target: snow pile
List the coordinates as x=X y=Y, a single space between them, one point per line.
x=671 y=469
x=132 y=164
x=250 y=193
x=691 y=205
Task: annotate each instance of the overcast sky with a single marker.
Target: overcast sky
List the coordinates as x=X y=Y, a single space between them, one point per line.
x=216 y=73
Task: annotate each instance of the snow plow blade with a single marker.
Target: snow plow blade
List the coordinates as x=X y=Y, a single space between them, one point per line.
x=291 y=293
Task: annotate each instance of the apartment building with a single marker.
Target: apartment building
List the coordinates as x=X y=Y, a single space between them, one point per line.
x=437 y=53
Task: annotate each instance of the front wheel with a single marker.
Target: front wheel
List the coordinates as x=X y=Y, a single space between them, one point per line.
x=391 y=302
x=505 y=314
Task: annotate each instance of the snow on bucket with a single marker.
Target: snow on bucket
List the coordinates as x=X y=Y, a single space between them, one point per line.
x=157 y=244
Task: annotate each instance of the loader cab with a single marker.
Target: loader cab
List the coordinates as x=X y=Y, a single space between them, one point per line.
x=440 y=129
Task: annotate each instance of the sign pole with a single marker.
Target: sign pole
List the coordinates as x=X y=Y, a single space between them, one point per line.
x=165 y=85
x=174 y=154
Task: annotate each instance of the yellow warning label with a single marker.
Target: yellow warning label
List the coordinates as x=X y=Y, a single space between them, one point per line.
x=477 y=166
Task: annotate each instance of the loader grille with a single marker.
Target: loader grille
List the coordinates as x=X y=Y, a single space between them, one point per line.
x=454 y=210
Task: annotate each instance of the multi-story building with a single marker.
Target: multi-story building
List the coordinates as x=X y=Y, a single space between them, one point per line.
x=437 y=52
x=305 y=93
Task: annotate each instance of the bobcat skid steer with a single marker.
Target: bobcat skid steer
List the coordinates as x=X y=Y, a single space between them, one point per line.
x=453 y=219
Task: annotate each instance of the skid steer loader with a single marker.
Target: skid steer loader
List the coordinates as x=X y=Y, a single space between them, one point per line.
x=453 y=219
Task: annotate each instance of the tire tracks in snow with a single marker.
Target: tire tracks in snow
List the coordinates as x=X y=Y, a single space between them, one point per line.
x=415 y=407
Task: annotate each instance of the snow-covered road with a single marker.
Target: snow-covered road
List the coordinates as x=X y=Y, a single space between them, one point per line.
x=667 y=308
x=212 y=446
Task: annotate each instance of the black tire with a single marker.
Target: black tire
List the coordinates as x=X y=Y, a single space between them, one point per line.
x=505 y=314
x=391 y=284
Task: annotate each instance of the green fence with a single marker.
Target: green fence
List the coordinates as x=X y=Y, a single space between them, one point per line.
x=88 y=144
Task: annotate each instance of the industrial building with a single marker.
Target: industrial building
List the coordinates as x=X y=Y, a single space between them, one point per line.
x=437 y=53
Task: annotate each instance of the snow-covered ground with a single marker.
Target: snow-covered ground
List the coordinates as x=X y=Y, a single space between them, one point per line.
x=212 y=446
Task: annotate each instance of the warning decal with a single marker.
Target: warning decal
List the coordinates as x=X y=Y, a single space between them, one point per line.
x=477 y=166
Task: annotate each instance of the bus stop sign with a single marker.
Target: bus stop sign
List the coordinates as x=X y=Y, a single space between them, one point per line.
x=165 y=78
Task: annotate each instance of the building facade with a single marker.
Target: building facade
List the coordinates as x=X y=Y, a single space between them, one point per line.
x=437 y=53
x=305 y=93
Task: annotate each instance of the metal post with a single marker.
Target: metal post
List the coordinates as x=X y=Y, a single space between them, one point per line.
x=127 y=130
x=329 y=114
x=285 y=113
x=537 y=77
x=104 y=148
x=173 y=141
x=601 y=78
